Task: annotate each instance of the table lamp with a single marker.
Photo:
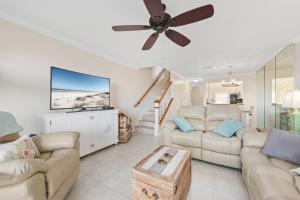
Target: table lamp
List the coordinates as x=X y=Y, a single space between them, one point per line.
x=292 y=101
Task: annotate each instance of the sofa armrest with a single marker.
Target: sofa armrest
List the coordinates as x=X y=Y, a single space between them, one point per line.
x=17 y=171
x=240 y=133
x=55 y=141
x=255 y=139
x=166 y=130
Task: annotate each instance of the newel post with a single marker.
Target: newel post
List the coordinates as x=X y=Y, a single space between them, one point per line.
x=157 y=117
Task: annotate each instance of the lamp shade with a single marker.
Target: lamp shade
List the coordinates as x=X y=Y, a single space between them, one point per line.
x=292 y=99
x=8 y=124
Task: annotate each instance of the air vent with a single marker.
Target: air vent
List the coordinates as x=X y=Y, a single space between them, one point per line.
x=207 y=67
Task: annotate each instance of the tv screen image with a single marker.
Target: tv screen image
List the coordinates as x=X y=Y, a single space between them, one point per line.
x=70 y=90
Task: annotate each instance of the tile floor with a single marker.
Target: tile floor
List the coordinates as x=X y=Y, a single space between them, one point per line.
x=105 y=175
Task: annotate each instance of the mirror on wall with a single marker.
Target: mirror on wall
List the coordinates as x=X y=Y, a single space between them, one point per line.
x=270 y=78
x=284 y=83
x=274 y=80
x=260 y=98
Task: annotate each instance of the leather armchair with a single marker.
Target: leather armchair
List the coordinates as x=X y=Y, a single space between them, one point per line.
x=49 y=177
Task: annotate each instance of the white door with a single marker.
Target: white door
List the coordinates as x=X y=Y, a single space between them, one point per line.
x=58 y=124
x=82 y=125
x=104 y=126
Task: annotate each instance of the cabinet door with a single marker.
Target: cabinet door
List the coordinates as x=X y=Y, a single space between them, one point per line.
x=58 y=124
x=105 y=129
x=82 y=125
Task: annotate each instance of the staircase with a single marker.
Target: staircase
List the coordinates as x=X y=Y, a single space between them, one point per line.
x=146 y=124
x=155 y=110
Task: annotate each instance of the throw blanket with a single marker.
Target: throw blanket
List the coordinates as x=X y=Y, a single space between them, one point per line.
x=8 y=124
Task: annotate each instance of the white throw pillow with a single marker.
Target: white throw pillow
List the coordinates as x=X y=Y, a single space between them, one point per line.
x=296 y=171
x=22 y=148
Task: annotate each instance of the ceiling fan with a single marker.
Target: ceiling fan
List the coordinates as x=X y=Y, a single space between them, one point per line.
x=160 y=22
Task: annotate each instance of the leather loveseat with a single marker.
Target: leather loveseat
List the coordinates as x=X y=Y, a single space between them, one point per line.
x=267 y=178
x=202 y=142
x=49 y=177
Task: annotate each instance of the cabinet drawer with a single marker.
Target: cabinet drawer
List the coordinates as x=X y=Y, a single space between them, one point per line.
x=142 y=191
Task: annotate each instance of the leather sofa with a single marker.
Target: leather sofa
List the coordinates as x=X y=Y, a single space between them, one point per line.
x=267 y=178
x=202 y=142
x=49 y=177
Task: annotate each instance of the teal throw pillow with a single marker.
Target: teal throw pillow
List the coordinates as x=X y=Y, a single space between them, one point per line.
x=183 y=124
x=228 y=127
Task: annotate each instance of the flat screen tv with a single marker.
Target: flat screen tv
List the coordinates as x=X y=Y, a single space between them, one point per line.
x=72 y=90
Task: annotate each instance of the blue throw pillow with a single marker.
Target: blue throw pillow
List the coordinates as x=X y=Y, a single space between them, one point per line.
x=183 y=124
x=228 y=127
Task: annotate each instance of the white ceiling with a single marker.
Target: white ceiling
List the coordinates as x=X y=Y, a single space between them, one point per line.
x=242 y=33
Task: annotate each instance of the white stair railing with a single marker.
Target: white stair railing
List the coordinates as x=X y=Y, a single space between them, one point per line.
x=162 y=106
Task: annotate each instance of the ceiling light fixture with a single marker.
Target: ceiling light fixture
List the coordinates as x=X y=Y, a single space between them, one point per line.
x=232 y=82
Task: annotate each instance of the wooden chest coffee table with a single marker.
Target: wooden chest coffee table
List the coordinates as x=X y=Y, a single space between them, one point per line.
x=162 y=175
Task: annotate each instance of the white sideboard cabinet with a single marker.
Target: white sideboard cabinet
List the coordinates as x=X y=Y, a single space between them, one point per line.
x=98 y=129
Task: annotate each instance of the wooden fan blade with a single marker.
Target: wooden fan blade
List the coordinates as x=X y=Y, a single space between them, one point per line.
x=177 y=38
x=192 y=16
x=131 y=28
x=150 y=41
x=155 y=9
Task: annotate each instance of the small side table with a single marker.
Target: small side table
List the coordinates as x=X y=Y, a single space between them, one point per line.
x=125 y=128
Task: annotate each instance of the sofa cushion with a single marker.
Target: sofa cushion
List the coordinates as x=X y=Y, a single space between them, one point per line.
x=254 y=139
x=272 y=183
x=192 y=112
x=283 y=145
x=197 y=124
x=61 y=165
x=228 y=160
x=45 y=156
x=228 y=127
x=221 y=112
x=240 y=133
x=211 y=125
x=183 y=124
x=189 y=139
x=216 y=143
x=283 y=165
x=17 y=171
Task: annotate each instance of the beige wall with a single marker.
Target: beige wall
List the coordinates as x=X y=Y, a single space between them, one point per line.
x=297 y=65
x=249 y=91
x=25 y=60
x=197 y=95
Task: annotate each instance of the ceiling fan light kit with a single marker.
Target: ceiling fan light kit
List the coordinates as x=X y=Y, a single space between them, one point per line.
x=160 y=22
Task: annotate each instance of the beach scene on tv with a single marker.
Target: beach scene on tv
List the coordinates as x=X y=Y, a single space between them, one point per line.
x=76 y=90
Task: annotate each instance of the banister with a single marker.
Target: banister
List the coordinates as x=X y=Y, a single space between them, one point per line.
x=151 y=86
x=165 y=92
x=166 y=111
